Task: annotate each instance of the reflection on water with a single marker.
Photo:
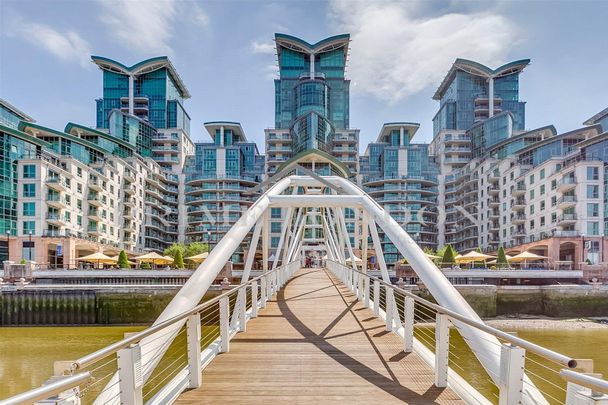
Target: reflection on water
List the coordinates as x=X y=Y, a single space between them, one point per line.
x=27 y=354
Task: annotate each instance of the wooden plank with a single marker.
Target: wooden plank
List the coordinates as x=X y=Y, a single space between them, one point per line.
x=315 y=343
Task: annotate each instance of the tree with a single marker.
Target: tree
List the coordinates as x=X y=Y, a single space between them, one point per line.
x=441 y=252
x=178 y=261
x=123 y=261
x=172 y=250
x=195 y=248
x=449 y=256
x=501 y=258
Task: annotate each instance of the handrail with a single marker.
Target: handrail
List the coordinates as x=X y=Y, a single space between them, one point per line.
x=121 y=344
x=539 y=350
x=588 y=381
x=47 y=390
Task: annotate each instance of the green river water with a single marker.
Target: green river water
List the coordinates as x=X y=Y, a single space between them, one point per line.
x=27 y=353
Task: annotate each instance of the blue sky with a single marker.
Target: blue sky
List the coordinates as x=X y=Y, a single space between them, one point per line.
x=224 y=52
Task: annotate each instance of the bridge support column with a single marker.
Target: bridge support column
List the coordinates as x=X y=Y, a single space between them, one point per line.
x=511 y=378
x=408 y=325
x=366 y=290
x=389 y=308
x=263 y=292
x=254 y=299
x=224 y=325
x=442 y=350
x=193 y=336
x=130 y=375
x=376 y=298
x=242 y=304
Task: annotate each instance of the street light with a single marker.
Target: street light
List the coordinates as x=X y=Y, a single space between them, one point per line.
x=8 y=239
x=29 y=254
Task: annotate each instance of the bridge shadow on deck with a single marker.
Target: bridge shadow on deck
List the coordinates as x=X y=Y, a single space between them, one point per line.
x=316 y=343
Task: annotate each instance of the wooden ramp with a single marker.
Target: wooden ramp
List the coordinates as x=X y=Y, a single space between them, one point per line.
x=315 y=343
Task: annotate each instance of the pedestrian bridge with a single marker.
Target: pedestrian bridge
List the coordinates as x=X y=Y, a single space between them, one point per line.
x=332 y=333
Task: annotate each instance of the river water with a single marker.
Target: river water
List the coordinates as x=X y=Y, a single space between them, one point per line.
x=27 y=353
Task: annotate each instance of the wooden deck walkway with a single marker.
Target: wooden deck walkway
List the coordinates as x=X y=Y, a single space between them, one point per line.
x=315 y=343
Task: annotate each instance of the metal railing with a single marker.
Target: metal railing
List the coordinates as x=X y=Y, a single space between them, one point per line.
x=115 y=373
x=524 y=366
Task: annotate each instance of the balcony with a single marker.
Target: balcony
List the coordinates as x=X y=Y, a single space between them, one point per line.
x=128 y=189
x=566 y=219
x=56 y=183
x=566 y=184
x=519 y=204
x=93 y=230
x=566 y=201
x=494 y=202
x=57 y=201
x=518 y=219
x=129 y=214
x=94 y=199
x=129 y=176
x=519 y=190
x=95 y=184
x=129 y=202
x=94 y=214
x=519 y=233
x=566 y=234
x=55 y=219
x=493 y=190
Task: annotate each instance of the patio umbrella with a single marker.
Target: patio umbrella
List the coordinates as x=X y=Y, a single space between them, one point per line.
x=115 y=258
x=473 y=256
x=494 y=261
x=526 y=257
x=98 y=258
x=198 y=258
x=430 y=256
x=357 y=260
x=153 y=258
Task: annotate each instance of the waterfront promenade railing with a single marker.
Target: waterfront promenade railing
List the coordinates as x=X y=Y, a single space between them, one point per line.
x=208 y=329
x=431 y=331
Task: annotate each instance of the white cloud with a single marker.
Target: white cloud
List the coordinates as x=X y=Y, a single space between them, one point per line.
x=199 y=15
x=67 y=46
x=142 y=26
x=262 y=47
x=397 y=49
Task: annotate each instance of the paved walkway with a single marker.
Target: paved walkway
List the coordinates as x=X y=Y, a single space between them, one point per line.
x=315 y=343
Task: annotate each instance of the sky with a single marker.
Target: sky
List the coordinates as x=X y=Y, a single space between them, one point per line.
x=224 y=52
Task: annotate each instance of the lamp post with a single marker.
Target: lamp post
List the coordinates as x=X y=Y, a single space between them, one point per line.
x=8 y=240
x=29 y=255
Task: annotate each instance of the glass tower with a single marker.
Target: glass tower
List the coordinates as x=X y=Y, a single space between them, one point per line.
x=151 y=90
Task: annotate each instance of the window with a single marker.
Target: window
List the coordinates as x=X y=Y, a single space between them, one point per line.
x=79 y=220
x=349 y=213
x=79 y=172
x=542 y=221
x=274 y=241
x=29 y=171
x=531 y=194
x=593 y=228
x=532 y=224
x=29 y=226
x=79 y=187
x=553 y=184
x=29 y=209
x=79 y=204
x=531 y=179
x=593 y=191
x=553 y=201
x=29 y=190
x=553 y=218
x=542 y=174
x=593 y=173
x=593 y=210
x=275 y=213
x=275 y=227
x=542 y=189
x=532 y=209
x=542 y=205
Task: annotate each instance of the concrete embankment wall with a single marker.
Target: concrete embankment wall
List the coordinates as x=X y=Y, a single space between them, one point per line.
x=554 y=301
x=84 y=307
x=143 y=305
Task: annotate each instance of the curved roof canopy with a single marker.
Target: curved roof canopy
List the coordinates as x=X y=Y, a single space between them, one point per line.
x=143 y=67
x=324 y=45
x=480 y=70
x=412 y=128
x=236 y=128
x=317 y=155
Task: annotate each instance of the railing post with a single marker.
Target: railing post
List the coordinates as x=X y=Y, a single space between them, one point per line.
x=511 y=378
x=130 y=375
x=442 y=347
x=360 y=287
x=243 y=309
x=263 y=292
x=193 y=336
x=366 y=290
x=389 y=308
x=254 y=299
x=408 y=325
x=224 y=325
x=376 y=298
